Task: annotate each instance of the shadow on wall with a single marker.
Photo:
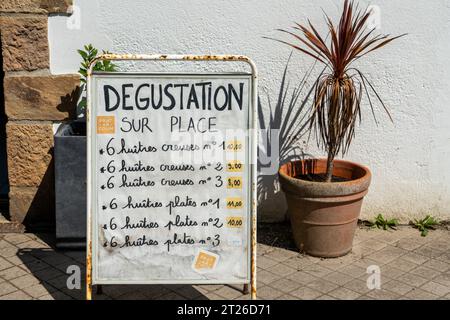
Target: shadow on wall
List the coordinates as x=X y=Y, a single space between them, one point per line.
x=69 y=102
x=40 y=216
x=4 y=188
x=280 y=142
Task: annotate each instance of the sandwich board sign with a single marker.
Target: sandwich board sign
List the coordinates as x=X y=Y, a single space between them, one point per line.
x=171 y=176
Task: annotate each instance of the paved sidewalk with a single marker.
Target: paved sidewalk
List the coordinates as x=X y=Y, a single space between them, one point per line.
x=412 y=267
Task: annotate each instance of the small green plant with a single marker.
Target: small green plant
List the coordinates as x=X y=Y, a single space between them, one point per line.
x=383 y=223
x=88 y=55
x=424 y=225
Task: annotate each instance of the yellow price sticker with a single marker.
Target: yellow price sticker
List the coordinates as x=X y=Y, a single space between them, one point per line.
x=235 y=166
x=234 y=203
x=234 y=183
x=235 y=222
x=234 y=146
x=106 y=125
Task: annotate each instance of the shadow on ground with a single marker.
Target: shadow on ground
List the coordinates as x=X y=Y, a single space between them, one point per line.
x=58 y=270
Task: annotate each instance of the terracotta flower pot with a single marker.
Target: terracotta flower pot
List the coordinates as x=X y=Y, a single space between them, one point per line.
x=324 y=215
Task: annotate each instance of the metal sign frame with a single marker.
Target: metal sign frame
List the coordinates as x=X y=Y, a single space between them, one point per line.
x=252 y=148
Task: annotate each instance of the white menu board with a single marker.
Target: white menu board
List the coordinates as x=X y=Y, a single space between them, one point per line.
x=170 y=178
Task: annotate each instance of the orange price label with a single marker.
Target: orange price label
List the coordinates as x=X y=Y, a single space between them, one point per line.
x=106 y=125
x=234 y=203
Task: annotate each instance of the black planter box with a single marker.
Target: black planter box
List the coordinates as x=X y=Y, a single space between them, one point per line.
x=70 y=185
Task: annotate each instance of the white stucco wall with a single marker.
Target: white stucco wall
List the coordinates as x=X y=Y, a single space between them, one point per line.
x=410 y=159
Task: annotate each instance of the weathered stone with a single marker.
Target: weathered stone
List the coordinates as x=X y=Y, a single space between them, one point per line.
x=32 y=207
x=24 y=43
x=41 y=97
x=35 y=6
x=29 y=150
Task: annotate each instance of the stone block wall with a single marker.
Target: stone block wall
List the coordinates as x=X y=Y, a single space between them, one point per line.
x=34 y=100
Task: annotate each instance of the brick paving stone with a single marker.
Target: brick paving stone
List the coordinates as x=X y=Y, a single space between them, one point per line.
x=298 y=262
x=21 y=259
x=155 y=291
x=212 y=296
x=287 y=297
x=58 y=282
x=265 y=262
x=285 y=285
x=322 y=285
x=58 y=259
x=25 y=281
x=5 y=244
x=409 y=243
x=31 y=244
x=262 y=248
x=412 y=279
x=268 y=293
x=380 y=294
x=436 y=288
x=34 y=266
x=364 y=234
x=360 y=252
x=438 y=265
x=58 y=295
x=429 y=252
x=317 y=270
x=353 y=270
x=8 y=252
x=338 y=278
x=281 y=270
x=357 y=285
x=17 y=295
x=387 y=254
x=415 y=258
x=201 y=288
x=6 y=288
x=16 y=238
x=5 y=264
x=373 y=244
x=342 y=293
x=211 y=287
x=335 y=264
x=266 y=277
x=280 y=255
x=397 y=287
x=402 y=264
x=445 y=256
x=326 y=297
x=364 y=263
x=443 y=278
x=425 y=272
x=301 y=277
x=76 y=255
x=12 y=273
x=390 y=272
x=390 y=237
x=228 y=293
x=38 y=290
x=244 y=297
x=137 y=295
x=189 y=292
x=419 y=294
x=48 y=273
x=305 y=293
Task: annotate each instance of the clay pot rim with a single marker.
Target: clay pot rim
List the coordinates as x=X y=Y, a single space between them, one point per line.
x=367 y=174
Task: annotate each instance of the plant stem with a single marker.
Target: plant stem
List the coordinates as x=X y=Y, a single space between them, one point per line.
x=329 y=173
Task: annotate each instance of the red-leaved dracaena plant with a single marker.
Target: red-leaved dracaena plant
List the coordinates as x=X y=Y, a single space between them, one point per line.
x=339 y=88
